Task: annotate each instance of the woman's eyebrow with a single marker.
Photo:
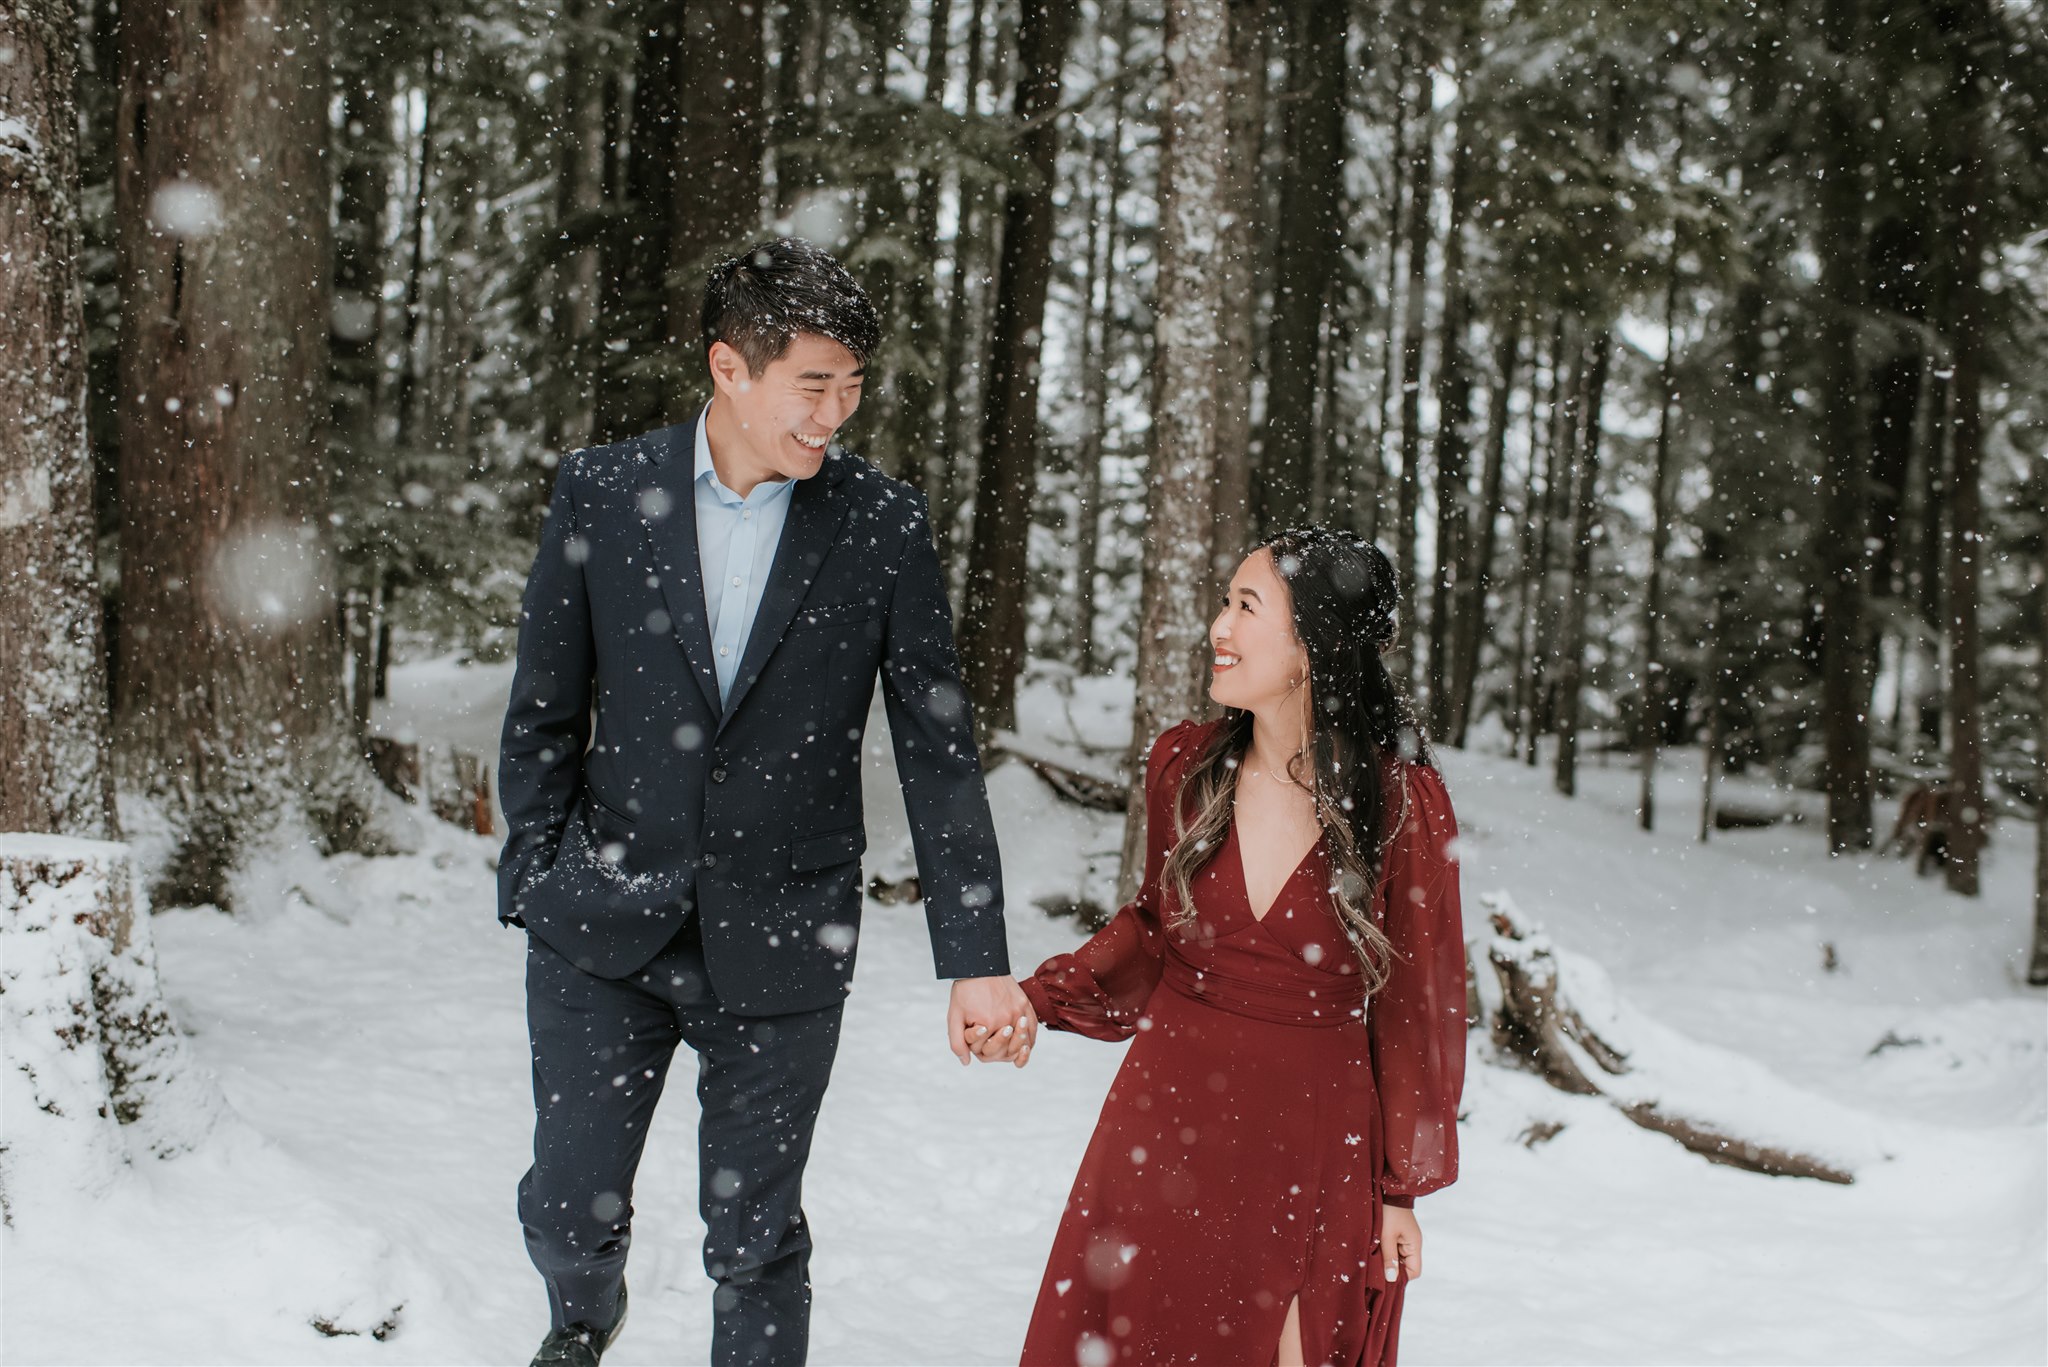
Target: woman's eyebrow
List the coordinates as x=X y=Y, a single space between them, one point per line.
x=1249 y=593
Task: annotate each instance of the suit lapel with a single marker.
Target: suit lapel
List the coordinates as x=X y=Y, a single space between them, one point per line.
x=667 y=503
x=815 y=511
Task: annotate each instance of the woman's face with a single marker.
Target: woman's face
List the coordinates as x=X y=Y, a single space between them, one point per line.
x=1258 y=659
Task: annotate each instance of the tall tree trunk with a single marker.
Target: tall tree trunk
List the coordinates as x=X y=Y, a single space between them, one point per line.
x=1421 y=193
x=1579 y=591
x=579 y=196
x=1651 y=720
x=633 y=302
x=1522 y=698
x=56 y=776
x=1390 y=348
x=1194 y=176
x=1306 y=255
x=363 y=192
x=918 y=381
x=410 y=362
x=1969 y=25
x=1484 y=535
x=1453 y=410
x=1243 y=231
x=1731 y=513
x=998 y=566
x=2037 y=962
x=1845 y=514
x=1104 y=237
x=1558 y=460
x=954 y=441
x=231 y=703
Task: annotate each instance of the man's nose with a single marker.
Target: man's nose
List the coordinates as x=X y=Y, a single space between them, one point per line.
x=835 y=410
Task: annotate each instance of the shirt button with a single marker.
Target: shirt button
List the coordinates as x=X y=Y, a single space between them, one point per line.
x=747 y=514
x=735 y=581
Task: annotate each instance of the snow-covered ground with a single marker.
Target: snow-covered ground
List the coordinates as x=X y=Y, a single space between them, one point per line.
x=369 y=1041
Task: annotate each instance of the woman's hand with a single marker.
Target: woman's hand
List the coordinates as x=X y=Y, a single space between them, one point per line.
x=1400 y=1242
x=1011 y=1044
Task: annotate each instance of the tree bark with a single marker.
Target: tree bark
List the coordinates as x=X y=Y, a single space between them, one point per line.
x=410 y=363
x=721 y=145
x=1651 y=720
x=231 y=703
x=1421 y=193
x=1194 y=178
x=1522 y=699
x=1306 y=255
x=998 y=564
x=1244 y=230
x=1579 y=592
x=1845 y=507
x=1453 y=412
x=1485 y=533
x=2037 y=965
x=579 y=198
x=634 y=305
x=56 y=774
x=363 y=191
x=1098 y=341
x=1968 y=27
x=918 y=381
x=1567 y=376
x=1390 y=349
x=954 y=442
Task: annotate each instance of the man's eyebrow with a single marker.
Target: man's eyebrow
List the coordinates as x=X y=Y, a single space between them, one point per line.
x=856 y=373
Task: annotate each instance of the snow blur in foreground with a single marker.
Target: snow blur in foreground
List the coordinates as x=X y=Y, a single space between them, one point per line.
x=370 y=1038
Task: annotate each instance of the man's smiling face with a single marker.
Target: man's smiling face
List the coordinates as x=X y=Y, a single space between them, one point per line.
x=781 y=420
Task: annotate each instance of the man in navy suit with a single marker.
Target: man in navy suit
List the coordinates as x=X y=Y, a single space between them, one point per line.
x=701 y=635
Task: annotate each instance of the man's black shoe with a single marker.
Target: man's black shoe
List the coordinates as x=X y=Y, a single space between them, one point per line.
x=579 y=1345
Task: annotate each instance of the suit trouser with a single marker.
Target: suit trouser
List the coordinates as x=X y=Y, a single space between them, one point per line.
x=601 y=1051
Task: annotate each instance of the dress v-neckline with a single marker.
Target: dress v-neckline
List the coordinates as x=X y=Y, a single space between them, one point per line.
x=1244 y=882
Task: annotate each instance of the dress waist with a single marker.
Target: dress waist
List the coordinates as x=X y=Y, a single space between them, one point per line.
x=1335 y=1002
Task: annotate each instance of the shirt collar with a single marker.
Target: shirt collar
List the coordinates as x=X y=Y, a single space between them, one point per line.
x=706 y=471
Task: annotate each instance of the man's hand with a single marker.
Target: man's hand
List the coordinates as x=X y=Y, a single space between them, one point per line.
x=990 y=1018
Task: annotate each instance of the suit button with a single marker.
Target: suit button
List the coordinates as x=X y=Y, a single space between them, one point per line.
x=718 y=775
x=710 y=861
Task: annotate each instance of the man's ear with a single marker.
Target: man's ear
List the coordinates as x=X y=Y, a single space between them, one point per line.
x=729 y=371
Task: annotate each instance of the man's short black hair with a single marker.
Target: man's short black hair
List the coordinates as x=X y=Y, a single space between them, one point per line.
x=757 y=302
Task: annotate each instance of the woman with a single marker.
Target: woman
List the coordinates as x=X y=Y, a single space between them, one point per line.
x=1293 y=971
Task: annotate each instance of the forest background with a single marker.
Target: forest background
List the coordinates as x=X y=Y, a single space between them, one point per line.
x=1684 y=358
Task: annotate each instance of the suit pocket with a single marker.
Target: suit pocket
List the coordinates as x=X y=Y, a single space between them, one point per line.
x=613 y=812
x=832 y=615
x=828 y=850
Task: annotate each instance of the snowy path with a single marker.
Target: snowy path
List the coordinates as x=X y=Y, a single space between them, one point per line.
x=378 y=1049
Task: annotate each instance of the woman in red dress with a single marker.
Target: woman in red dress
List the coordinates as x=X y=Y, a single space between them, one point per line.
x=1292 y=974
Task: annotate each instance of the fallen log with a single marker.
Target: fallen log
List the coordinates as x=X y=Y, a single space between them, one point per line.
x=1522 y=996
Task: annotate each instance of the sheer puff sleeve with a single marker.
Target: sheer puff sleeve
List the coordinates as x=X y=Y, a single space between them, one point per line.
x=1101 y=989
x=1417 y=1021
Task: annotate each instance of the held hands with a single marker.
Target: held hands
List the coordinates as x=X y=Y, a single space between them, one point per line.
x=1400 y=1242
x=990 y=1019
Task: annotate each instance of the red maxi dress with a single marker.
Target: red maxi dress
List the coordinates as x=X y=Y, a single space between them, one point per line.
x=1264 y=1112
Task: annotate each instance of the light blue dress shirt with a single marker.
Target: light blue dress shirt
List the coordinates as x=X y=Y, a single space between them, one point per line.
x=736 y=541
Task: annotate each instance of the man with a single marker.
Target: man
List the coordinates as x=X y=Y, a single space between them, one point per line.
x=699 y=644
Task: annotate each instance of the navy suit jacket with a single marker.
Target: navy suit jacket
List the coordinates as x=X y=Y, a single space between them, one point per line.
x=632 y=799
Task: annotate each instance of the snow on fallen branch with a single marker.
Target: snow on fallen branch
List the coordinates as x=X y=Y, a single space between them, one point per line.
x=1557 y=1014
x=1076 y=775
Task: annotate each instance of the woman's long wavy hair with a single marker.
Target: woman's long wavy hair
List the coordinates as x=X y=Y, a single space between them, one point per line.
x=1345 y=601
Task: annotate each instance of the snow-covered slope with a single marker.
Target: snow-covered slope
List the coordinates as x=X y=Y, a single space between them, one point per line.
x=371 y=1040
